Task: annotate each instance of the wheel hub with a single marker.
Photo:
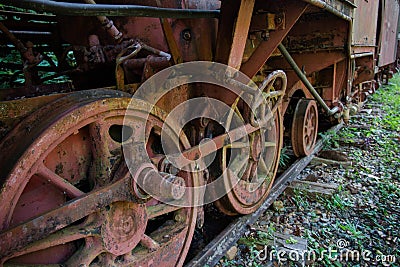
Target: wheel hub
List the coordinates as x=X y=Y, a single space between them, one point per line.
x=123 y=227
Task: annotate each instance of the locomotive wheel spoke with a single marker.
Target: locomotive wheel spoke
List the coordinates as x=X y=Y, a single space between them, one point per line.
x=101 y=168
x=263 y=166
x=58 y=181
x=269 y=144
x=250 y=172
x=149 y=243
x=309 y=128
x=105 y=259
x=160 y=209
x=60 y=237
x=18 y=237
x=84 y=256
x=236 y=165
x=237 y=145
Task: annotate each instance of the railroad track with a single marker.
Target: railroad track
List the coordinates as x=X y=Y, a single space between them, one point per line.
x=216 y=249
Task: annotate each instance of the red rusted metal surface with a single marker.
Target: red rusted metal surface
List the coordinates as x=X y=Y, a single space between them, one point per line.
x=364 y=69
x=388 y=33
x=259 y=172
x=293 y=10
x=75 y=157
x=256 y=174
x=364 y=28
x=240 y=33
x=333 y=82
x=310 y=62
x=66 y=195
x=304 y=127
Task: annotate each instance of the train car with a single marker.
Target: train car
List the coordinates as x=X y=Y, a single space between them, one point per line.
x=120 y=121
x=373 y=44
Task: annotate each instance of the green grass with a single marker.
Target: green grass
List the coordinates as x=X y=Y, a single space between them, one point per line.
x=390 y=96
x=284 y=158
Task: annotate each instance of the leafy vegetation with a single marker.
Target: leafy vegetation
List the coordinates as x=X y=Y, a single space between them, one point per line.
x=11 y=62
x=284 y=158
x=331 y=139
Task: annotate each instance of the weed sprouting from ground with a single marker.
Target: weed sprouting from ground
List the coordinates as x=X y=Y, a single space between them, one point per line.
x=284 y=158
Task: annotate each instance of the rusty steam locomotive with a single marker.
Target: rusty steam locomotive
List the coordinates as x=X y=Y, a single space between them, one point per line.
x=70 y=195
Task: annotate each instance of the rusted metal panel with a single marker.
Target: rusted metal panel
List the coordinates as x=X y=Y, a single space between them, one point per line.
x=293 y=10
x=388 y=34
x=366 y=20
x=233 y=32
x=240 y=33
x=341 y=8
x=344 y=6
x=364 y=40
x=318 y=32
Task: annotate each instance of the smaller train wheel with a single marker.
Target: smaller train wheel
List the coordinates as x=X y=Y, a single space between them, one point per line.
x=256 y=176
x=304 y=127
x=68 y=198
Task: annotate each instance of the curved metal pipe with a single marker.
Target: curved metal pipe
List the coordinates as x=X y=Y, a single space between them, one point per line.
x=78 y=9
x=303 y=78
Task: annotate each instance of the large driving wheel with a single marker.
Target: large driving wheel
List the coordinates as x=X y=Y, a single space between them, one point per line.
x=252 y=179
x=68 y=198
x=304 y=127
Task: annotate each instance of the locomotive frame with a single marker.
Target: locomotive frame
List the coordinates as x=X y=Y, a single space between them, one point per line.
x=69 y=194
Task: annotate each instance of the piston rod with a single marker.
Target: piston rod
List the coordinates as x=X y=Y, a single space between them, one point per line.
x=303 y=78
x=78 y=9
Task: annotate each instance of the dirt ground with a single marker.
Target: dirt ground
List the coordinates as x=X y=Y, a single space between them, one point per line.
x=354 y=219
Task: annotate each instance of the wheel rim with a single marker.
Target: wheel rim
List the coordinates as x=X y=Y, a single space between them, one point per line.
x=75 y=142
x=304 y=127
